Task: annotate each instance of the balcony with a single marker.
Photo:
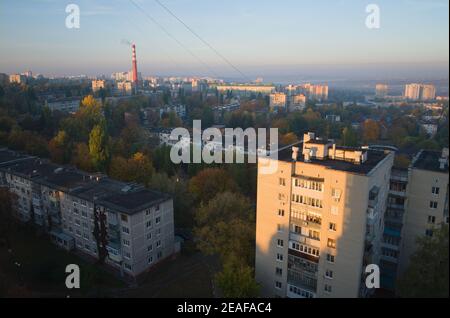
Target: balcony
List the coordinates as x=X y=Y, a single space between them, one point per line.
x=398 y=193
x=371 y=214
x=304 y=239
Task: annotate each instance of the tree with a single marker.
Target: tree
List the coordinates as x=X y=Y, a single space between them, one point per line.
x=209 y=182
x=427 y=275
x=100 y=234
x=138 y=168
x=226 y=226
x=349 y=137
x=236 y=280
x=371 y=131
x=59 y=147
x=288 y=139
x=98 y=146
x=81 y=157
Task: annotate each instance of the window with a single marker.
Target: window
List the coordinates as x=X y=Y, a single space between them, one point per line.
x=278 y=285
x=150 y=260
x=329 y=274
x=158 y=220
x=278 y=271
x=127 y=266
x=127 y=255
x=85 y=236
x=150 y=248
x=281 y=196
x=330 y=258
x=126 y=242
x=280 y=243
x=158 y=244
x=279 y=228
x=157 y=208
x=84 y=214
x=77 y=222
x=332 y=227
x=433 y=205
x=148 y=224
x=435 y=190
x=124 y=217
x=158 y=232
x=327 y=288
x=149 y=236
x=280 y=212
x=282 y=181
x=431 y=219
x=125 y=230
x=429 y=232
x=331 y=243
x=279 y=257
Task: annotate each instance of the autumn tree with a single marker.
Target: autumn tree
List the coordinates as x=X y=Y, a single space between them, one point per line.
x=209 y=182
x=226 y=226
x=371 y=130
x=98 y=146
x=81 y=157
x=138 y=168
x=59 y=147
x=288 y=139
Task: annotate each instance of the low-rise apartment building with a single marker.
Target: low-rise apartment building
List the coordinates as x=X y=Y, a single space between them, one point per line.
x=69 y=204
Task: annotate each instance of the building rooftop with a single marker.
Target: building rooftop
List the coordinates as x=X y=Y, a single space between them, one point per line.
x=374 y=157
x=119 y=196
x=8 y=156
x=430 y=160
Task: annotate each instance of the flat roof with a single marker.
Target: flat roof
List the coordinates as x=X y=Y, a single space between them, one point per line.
x=374 y=157
x=429 y=160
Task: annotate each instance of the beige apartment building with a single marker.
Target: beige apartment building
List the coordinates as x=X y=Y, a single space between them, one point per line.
x=278 y=100
x=320 y=219
x=427 y=200
x=98 y=85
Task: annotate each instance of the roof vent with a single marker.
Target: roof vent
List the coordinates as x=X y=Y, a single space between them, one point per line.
x=295 y=151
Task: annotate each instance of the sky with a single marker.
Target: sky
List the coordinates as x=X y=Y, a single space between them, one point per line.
x=274 y=39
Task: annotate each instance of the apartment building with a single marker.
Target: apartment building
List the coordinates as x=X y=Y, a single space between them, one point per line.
x=98 y=85
x=67 y=105
x=427 y=200
x=278 y=101
x=245 y=89
x=69 y=204
x=420 y=92
x=320 y=219
x=17 y=78
x=381 y=90
x=297 y=102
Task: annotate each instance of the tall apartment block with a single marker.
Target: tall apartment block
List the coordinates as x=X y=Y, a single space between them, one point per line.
x=69 y=204
x=320 y=219
x=417 y=205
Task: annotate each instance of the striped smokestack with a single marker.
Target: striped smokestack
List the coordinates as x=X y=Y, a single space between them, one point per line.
x=135 y=73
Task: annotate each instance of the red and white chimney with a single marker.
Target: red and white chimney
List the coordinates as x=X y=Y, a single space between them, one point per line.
x=135 y=72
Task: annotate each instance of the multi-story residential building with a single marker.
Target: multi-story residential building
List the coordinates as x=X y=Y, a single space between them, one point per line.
x=69 y=204
x=278 y=101
x=17 y=78
x=125 y=88
x=98 y=85
x=317 y=92
x=297 y=102
x=381 y=90
x=4 y=78
x=320 y=219
x=417 y=204
x=245 y=89
x=427 y=200
x=68 y=105
x=420 y=92
x=428 y=92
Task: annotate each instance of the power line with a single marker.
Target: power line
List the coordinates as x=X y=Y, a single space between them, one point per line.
x=175 y=39
x=202 y=40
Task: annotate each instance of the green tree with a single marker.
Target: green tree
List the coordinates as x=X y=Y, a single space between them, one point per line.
x=236 y=280
x=98 y=146
x=209 y=182
x=349 y=137
x=226 y=226
x=427 y=275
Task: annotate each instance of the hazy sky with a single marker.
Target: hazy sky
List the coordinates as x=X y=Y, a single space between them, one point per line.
x=261 y=37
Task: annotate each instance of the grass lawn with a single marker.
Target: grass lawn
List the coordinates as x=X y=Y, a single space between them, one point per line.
x=42 y=269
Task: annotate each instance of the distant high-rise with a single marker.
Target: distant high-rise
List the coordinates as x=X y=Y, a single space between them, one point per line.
x=278 y=100
x=381 y=90
x=420 y=92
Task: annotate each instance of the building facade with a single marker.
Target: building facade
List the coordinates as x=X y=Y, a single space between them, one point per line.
x=70 y=204
x=313 y=239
